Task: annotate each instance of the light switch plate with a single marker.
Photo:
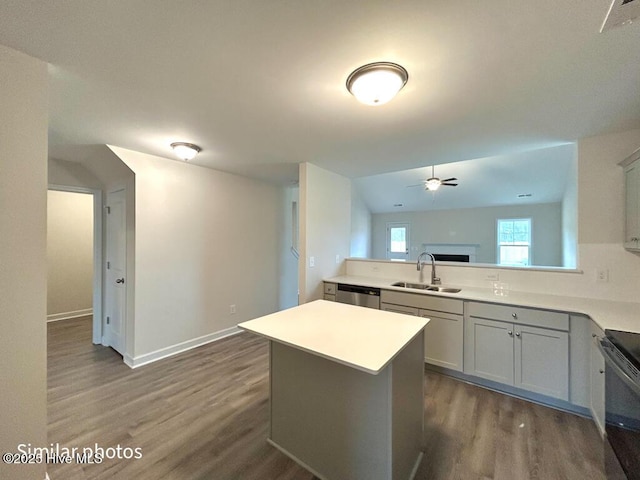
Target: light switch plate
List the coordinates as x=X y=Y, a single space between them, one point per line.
x=312 y=262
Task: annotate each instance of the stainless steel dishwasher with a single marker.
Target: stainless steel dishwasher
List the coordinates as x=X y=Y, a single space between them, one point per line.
x=357 y=295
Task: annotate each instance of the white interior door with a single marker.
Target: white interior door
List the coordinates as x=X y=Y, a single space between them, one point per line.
x=115 y=311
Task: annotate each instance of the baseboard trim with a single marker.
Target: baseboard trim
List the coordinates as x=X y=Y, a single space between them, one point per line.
x=533 y=397
x=54 y=317
x=135 y=362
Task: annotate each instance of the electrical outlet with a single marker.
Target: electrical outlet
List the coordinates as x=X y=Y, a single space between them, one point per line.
x=232 y=309
x=492 y=277
x=602 y=275
x=337 y=258
x=312 y=262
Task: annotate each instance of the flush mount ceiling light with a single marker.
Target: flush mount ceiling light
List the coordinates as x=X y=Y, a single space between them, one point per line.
x=377 y=83
x=186 y=151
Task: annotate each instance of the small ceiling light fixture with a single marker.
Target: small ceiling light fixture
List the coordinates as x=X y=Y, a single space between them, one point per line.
x=186 y=151
x=377 y=83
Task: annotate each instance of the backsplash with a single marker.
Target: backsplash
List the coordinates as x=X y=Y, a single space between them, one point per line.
x=621 y=268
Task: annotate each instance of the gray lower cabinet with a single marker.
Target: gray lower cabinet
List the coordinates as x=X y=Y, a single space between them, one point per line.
x=514 y=353
x=489 y=350
x=443 y=337
x=329 y=291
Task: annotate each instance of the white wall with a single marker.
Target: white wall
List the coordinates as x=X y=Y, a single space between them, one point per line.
x=23 y=259
x=476 y=226
x=325 y=227
x=69 y=254
x=204 y=240
x=71 y=174
x=600 y=235
x=570 y=217
x=360 y=227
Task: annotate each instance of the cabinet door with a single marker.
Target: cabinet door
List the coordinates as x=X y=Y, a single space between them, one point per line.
x=389 y=307
x=632 y=206
x=443 y=340
x=488 y=349
x=597 y=379
x=542 y=361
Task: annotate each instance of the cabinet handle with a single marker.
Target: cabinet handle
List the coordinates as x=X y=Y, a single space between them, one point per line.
x=510 y=333
x=518 y=334
x=514 y=315
x=601 y=371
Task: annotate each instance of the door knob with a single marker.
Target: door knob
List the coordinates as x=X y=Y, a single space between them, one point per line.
x=120 y=280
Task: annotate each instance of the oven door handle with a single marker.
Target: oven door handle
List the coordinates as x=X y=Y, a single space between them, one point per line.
x=605 y=348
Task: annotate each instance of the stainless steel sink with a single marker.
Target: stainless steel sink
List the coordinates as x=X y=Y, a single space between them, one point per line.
x=422 y=286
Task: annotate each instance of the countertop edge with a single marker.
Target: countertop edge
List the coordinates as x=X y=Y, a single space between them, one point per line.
x=599 y=311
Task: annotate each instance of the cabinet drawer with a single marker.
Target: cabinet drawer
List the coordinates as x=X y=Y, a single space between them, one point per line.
x=424 y=301
x=330 y=288
x=387 y=307
x=330 y=298
x=519 y=315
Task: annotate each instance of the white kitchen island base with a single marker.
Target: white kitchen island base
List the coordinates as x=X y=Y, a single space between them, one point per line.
x=339 y=419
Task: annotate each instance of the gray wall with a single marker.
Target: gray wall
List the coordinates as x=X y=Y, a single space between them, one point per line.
x=476 y=226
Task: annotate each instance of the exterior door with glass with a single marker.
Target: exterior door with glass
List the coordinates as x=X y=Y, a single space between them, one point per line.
x=398 y=241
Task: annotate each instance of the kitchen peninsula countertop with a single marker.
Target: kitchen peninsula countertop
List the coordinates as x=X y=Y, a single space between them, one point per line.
x=606 y=314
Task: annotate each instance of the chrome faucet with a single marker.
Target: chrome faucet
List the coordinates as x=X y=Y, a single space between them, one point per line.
x=434 y=280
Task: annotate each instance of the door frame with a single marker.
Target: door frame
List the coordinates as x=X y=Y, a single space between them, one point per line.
x=106 y=339
x=97 y=253
x=407 y=227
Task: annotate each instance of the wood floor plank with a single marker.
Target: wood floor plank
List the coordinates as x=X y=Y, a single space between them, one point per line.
x=203 y=414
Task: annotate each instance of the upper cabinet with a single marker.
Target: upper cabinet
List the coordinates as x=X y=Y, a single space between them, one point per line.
x=632 y=201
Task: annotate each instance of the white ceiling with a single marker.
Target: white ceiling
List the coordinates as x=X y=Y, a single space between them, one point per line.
x=259 y=85
x=484 y=182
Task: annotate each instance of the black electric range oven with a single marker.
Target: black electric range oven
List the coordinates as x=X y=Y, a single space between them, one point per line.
x=621 y=352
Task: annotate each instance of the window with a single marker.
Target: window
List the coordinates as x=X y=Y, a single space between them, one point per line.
x=397 y=241
x=514 y=242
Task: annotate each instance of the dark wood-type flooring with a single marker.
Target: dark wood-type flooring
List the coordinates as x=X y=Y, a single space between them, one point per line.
x=203 y=414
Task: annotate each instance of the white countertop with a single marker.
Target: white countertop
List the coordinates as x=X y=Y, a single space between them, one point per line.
x=362 y=338
x=607 y=314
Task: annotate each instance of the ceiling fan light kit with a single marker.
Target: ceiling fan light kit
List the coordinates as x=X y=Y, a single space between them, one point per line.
x=434 y=183
x=377 y=83
x=185 y=151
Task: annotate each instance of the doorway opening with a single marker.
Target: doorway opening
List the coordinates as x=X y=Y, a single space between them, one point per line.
x=74 y=255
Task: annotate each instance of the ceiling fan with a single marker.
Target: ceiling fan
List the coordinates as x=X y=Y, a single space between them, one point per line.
x=434 y=183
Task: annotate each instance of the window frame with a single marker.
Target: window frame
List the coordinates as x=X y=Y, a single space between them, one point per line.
x=529 y=245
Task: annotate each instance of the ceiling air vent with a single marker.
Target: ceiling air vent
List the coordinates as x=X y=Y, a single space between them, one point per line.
x=621 y=12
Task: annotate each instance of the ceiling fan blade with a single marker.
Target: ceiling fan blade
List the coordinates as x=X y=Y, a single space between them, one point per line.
x=416 y=185
x=450 y=184
x=449 y=179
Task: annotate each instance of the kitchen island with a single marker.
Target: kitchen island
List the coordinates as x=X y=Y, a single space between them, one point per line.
x=346 y=389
